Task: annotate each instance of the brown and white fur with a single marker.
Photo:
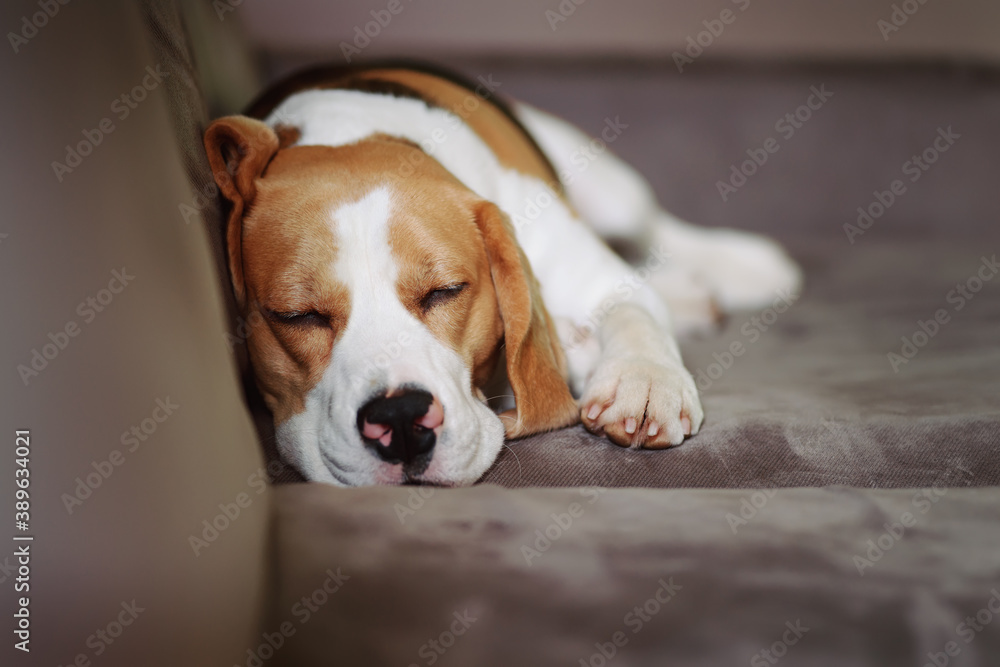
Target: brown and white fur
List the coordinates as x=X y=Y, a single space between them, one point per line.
x=399 y=235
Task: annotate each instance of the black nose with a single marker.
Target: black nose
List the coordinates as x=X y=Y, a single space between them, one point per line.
x=399 y=428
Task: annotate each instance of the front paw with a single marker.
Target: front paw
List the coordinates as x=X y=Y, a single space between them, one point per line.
x=636 y=402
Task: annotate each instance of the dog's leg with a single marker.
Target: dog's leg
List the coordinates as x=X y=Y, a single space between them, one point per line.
x=639 y=394
x=615 y=329
x=710 y=270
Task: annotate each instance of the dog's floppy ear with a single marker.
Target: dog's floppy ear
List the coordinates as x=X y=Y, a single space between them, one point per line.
x=239 y=149
x=535 y=361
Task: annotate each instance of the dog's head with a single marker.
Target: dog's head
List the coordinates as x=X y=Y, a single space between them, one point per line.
x=385 y=291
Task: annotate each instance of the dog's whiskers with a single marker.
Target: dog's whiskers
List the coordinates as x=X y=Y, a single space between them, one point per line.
x=520 y=470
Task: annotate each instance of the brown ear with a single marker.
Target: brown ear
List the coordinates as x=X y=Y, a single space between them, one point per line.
x=239 y=149
x=536 y=366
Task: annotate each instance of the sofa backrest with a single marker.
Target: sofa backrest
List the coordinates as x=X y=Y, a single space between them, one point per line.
x=148 y=507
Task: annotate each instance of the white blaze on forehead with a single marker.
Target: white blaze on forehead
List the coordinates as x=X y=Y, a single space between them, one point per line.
x=365 y=264
x=362 y=231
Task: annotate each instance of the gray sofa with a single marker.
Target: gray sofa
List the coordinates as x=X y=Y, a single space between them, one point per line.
x=834 y=510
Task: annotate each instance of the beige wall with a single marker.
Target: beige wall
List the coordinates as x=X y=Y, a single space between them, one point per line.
x=763 y=28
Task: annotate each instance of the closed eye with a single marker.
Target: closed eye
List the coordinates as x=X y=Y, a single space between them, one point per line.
x=441 y=295
x=299 y=318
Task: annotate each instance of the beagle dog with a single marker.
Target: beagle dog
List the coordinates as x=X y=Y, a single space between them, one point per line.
x=399 y=234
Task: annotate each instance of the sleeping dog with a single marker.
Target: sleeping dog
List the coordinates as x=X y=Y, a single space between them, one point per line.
x=401 y=234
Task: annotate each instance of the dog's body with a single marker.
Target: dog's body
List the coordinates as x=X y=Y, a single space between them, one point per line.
x=401 y=234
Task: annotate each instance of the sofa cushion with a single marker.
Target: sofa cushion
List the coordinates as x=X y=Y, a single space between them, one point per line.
x=490 y=576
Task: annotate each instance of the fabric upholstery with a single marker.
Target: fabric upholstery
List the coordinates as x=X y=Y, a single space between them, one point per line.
x=407 y=564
